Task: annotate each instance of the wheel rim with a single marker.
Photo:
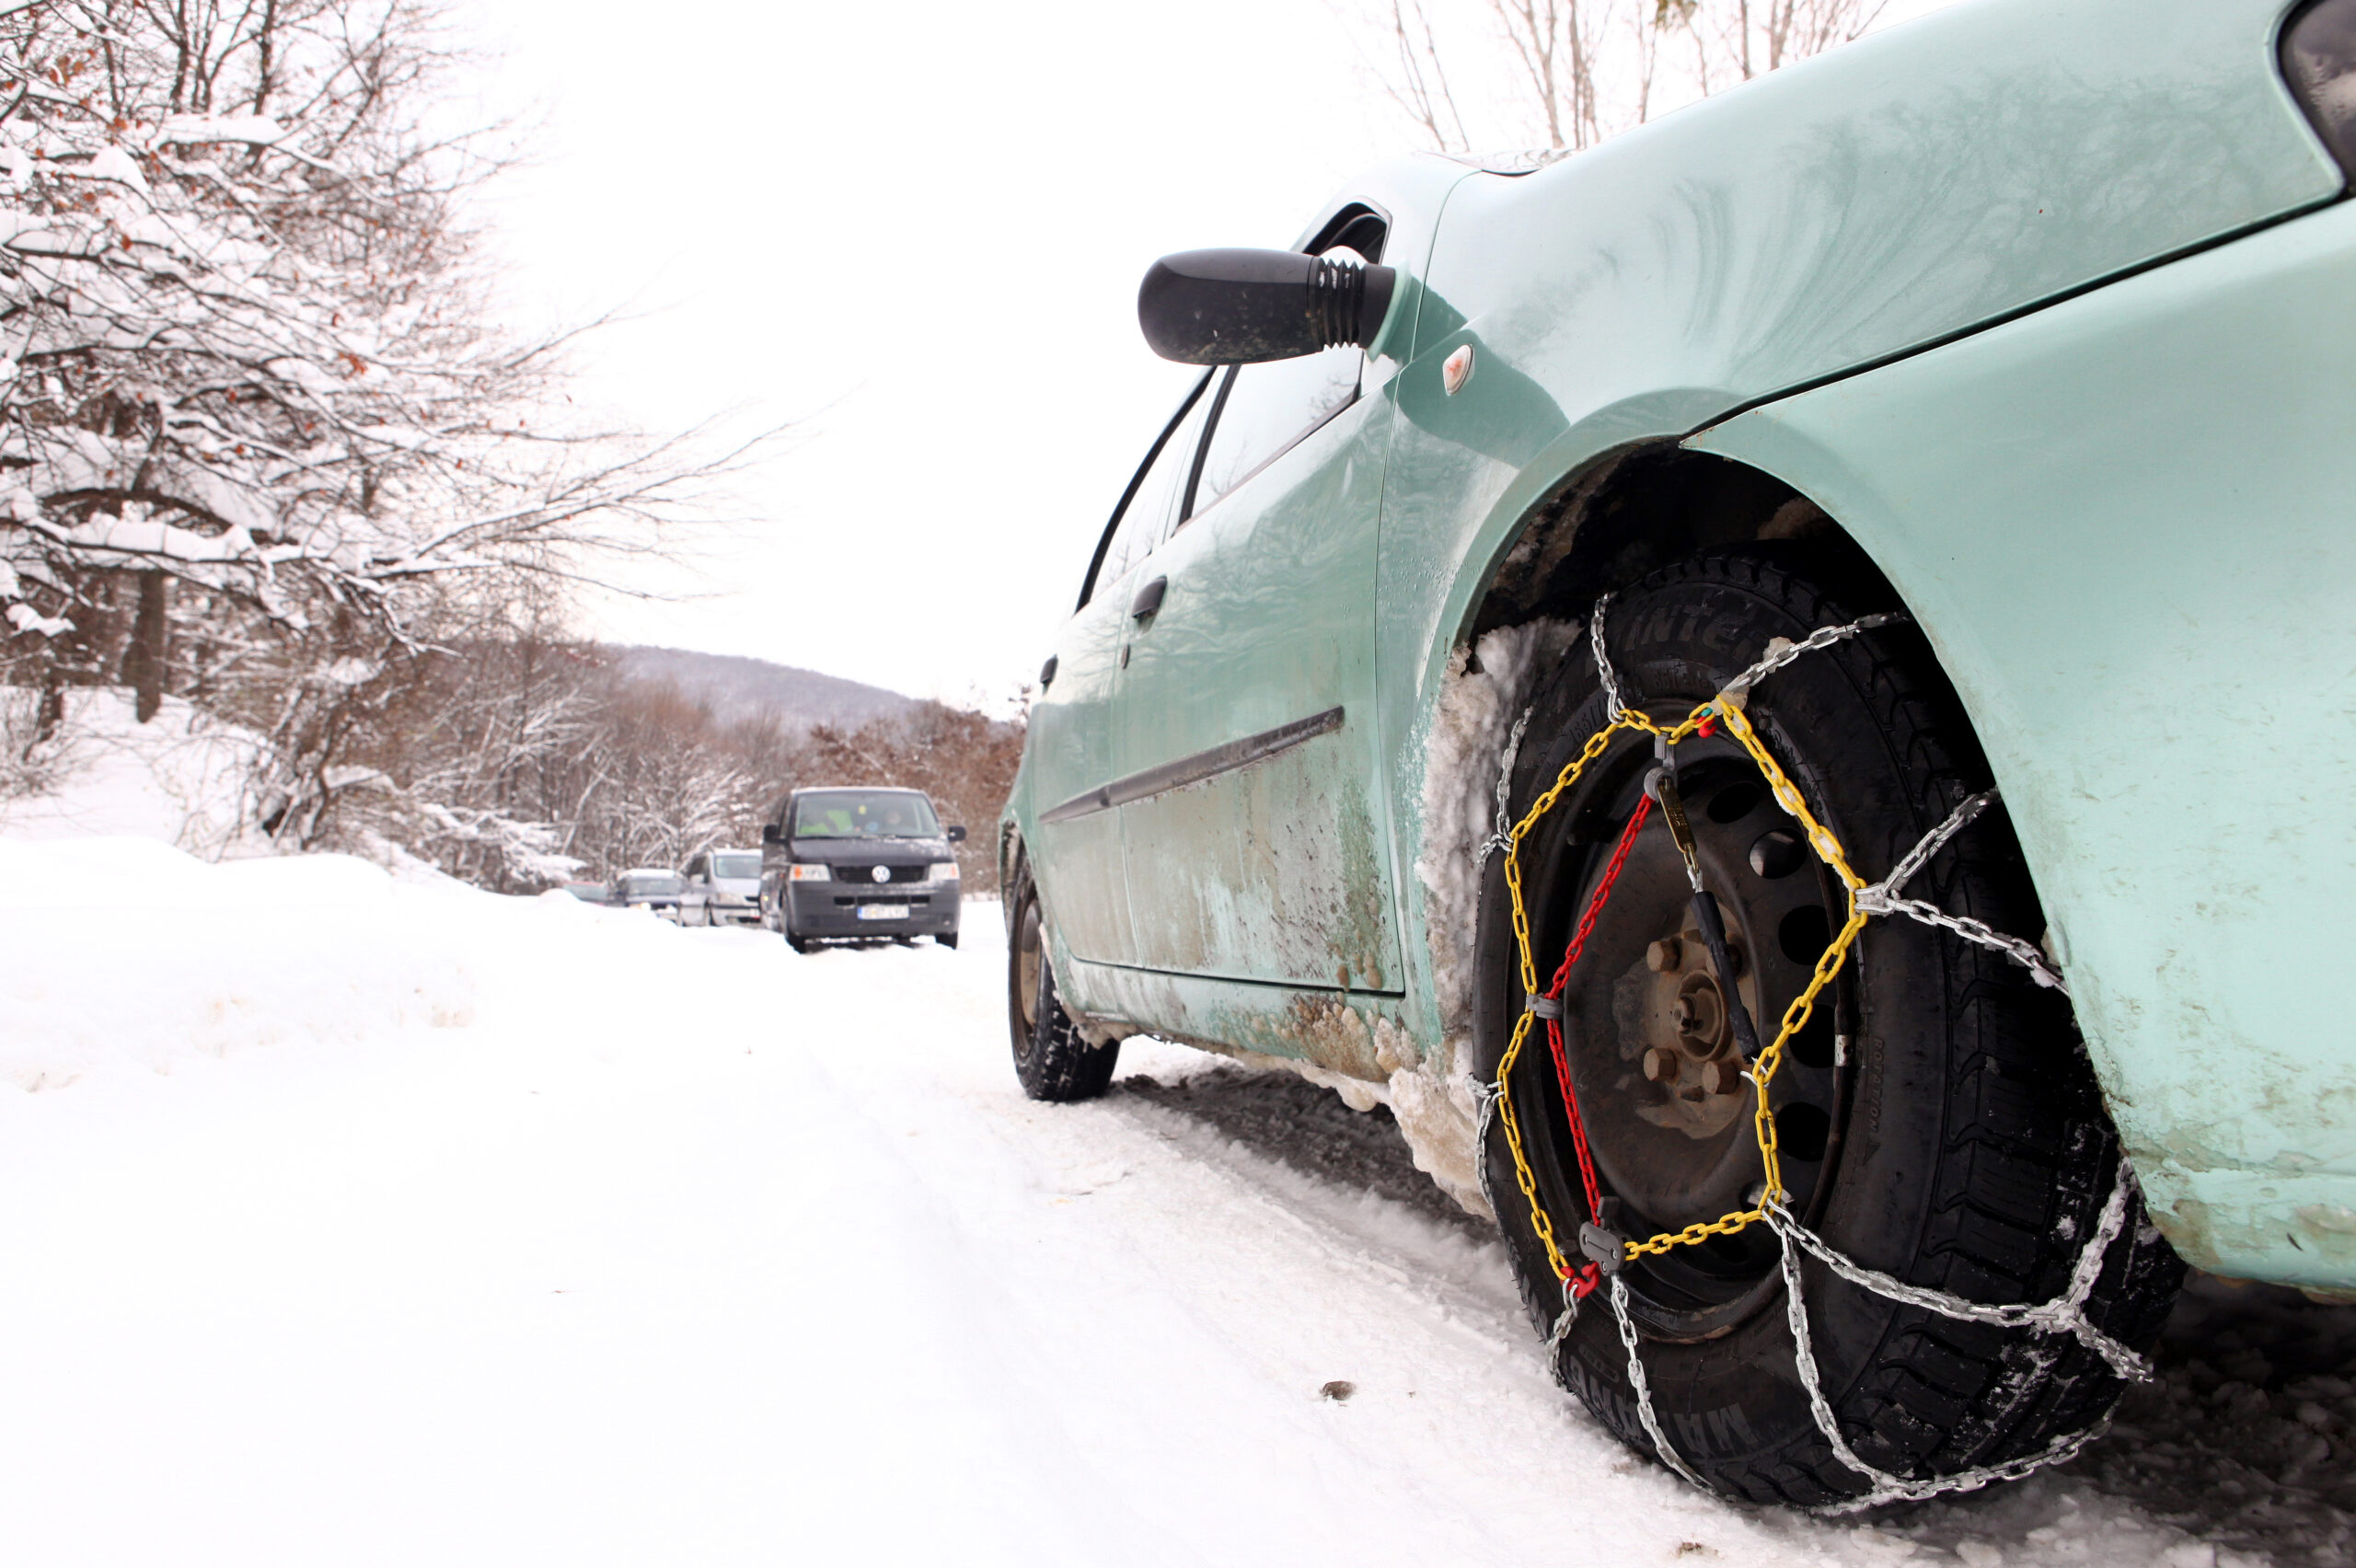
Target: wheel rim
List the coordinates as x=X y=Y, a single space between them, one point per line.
x=1648 y=1037
x=1030 y=963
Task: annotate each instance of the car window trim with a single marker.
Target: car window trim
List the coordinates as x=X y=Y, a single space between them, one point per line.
x=1329 y=229
x=1202 y=447
x=1121 y=509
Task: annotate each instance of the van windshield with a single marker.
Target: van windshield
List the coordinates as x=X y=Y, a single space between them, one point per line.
x=864 y=814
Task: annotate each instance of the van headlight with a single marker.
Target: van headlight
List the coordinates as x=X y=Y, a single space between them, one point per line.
x=945 y=870
x=811 y=873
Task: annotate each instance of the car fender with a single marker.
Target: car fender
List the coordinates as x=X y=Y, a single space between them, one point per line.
x=2150 y=623
x=1853 y=209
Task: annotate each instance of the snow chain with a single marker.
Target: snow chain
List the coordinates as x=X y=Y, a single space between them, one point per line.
x=1605 y=1253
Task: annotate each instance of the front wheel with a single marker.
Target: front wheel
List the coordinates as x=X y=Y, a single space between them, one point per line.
x=1053 y=1060
x=1937 y=1119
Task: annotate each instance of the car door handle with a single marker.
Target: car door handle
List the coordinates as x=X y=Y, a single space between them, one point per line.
x=1149 y=599
x=1048 y=672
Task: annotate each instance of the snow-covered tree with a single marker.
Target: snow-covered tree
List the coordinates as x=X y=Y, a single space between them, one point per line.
x=244 y=343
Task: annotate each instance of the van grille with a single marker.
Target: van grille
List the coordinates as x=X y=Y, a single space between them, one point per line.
x=866 y=874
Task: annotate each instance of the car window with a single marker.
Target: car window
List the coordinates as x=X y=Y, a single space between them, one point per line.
x=736 y=866
x=1153 y=503
x=1264 y=408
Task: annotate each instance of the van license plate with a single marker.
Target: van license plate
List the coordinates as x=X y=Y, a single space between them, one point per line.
x=881 y=911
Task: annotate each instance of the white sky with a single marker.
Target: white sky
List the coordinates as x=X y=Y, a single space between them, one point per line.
x=918 y=229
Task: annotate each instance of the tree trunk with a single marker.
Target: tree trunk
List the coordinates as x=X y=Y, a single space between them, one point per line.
x=143 y=661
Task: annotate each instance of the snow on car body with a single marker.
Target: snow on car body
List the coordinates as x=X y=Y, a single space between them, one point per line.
x=2033 y=320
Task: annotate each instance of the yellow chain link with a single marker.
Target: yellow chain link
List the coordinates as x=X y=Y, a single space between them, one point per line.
x=1727 y=711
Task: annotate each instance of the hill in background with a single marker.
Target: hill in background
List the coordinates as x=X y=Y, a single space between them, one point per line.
x=737 y=689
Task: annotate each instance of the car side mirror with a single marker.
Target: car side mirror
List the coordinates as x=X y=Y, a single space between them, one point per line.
x=1246 y=306
x=770 y=834
x=955 y=834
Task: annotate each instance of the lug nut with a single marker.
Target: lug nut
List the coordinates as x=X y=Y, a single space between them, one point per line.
x=1721 y=1078
x=1659 y=1065
x=1664 y=956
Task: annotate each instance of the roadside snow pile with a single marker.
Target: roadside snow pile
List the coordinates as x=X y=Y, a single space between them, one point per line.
x=127 y=952
x=179 y=778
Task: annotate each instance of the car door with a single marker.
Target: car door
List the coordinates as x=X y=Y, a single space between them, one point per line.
x=1075 y=846
x=1257 y=841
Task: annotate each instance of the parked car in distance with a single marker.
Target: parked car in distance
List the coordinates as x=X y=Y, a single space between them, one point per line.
x=590 y=891
x=649 y=887
x=723 y=888
x=1933 y=456
x=860 y=865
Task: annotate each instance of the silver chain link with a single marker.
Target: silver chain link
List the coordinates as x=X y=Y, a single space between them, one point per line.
x=1881 y=898
x=1500 y=839
x=1669 y=1456
x=2063 y=1315
x=1884 y=1486
x=1563 y=1323
x=1781 y=651
x=1613 y=706
x=1486 y=1094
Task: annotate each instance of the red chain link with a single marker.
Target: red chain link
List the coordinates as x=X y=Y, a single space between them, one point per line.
x=1588 y=1277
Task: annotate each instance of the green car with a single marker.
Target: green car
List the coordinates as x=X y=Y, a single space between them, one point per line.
x=1780 y=690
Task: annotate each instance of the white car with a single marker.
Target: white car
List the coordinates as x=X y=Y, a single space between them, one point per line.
x=723 y=888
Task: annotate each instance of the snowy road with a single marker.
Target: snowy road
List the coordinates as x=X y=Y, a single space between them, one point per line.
x=612 y=1243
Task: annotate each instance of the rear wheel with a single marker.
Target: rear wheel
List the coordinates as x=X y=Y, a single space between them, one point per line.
x=1939 y=1119
x=1051 y=1057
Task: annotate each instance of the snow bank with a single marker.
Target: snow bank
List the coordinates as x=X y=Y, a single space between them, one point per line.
x=179 y=778
x=128 y=952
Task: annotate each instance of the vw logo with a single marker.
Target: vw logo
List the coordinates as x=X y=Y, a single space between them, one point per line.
x=881 y=874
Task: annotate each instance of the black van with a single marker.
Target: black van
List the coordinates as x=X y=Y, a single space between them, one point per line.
x=851 y=863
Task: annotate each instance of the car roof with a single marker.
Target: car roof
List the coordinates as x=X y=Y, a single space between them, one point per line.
x=649 y=872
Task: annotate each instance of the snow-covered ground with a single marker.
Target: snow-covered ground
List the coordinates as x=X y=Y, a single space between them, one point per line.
x=357 y=1222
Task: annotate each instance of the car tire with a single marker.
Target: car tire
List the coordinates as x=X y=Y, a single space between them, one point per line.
x=1051 y=1057
x=947 y=940
x=796 y=941
x=1959 y=1140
